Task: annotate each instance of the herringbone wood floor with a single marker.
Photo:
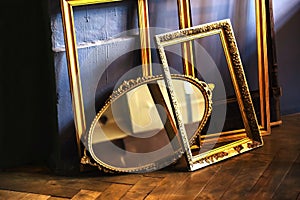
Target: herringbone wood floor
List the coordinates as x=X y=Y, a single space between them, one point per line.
x=270 y=172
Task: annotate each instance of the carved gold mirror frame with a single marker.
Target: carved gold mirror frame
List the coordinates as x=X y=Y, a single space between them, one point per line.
x=135 y=130
x=253 y=137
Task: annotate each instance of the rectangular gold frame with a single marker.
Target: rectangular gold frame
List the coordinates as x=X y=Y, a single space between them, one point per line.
x=263 y=64
x=253 y=137
x=185 y=21
x=72 y=56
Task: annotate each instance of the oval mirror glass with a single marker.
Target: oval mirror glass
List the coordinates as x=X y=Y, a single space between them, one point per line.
x=135 y=130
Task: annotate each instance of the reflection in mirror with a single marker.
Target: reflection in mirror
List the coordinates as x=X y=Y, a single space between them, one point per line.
x=134 y=131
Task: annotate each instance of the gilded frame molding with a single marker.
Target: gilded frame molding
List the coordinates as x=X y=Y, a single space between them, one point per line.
x=253 y=137
x=263 y=64
x=185 y=21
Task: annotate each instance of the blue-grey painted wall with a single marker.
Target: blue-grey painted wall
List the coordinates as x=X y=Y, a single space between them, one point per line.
x=287 y=20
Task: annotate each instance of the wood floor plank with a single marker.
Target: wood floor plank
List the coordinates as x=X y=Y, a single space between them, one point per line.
x=273 y=176
x=86 y=195
x=142 y=188
x=127 y=179
x=252 y=170
x=94 y=184
x=32 y=183
x=114 y=192
x=57 y=198
x=226 y=177
x=290 y=186
x=285 y=136
x=167 y=187
x=65 y=187
x=196 y=182
x=13 y=195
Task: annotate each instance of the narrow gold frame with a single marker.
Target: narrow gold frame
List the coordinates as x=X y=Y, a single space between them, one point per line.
x=185 y=21
x=253 y=137
x=263 y=64
x=72 y=55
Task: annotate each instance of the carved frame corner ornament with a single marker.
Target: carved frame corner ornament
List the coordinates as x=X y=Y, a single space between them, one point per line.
x=253 y=137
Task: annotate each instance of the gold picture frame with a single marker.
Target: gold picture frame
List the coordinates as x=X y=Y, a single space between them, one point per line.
x=72 y=56
x=253 y=137
x=263 y=64
x=185 y=21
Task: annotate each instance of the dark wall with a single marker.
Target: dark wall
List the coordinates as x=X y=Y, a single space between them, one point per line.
x=288 y=54
x=28 y=122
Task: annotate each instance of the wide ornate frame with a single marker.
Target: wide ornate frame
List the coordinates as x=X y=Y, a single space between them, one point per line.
x=253 y=137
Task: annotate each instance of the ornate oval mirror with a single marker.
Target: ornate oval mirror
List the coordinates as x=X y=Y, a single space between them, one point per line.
x=135 y=131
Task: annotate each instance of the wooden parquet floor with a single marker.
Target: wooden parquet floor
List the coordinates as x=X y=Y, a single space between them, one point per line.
x=269 y=172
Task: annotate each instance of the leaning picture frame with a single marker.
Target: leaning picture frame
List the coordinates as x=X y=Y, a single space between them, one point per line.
x=263 y=112
x=73 y=62
x=253 y=137
x=189 y=14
